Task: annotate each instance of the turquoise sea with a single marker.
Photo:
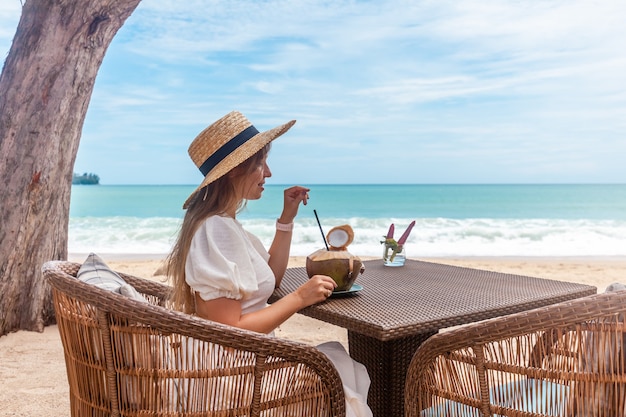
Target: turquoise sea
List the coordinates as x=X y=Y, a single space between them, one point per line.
x=451 y=220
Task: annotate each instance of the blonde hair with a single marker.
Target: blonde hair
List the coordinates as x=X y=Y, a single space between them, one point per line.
x=217 y=198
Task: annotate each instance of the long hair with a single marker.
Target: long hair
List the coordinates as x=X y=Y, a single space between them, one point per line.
x=217 y=198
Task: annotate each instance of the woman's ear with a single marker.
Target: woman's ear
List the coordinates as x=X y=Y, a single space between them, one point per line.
x=232 y=173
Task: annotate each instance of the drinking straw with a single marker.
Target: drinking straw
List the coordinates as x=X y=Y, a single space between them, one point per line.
x=322 y=231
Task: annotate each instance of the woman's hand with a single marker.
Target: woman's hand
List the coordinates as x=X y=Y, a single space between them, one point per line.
x=318 y=288
x=228 y=311
x=293 y=196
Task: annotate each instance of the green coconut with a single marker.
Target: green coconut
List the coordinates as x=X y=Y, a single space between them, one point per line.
x=336 y=262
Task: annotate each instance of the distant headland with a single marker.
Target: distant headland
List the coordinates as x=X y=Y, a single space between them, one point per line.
x=85 y=179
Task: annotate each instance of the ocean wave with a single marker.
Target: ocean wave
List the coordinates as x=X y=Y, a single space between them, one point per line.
x=121 y=235
x=431 y=237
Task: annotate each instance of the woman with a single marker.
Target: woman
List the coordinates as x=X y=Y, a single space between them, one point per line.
x=223 y=273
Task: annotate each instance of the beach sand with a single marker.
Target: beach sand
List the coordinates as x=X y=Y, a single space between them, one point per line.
x=32 y=367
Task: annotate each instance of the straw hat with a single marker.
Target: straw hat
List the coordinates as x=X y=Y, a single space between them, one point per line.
x=226 y=144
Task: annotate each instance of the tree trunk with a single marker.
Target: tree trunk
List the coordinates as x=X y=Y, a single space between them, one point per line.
x=45 y=87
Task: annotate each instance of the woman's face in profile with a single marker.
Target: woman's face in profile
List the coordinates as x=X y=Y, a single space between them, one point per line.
x=252 y=183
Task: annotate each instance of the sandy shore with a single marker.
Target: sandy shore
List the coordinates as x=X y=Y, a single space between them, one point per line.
x=32 y=368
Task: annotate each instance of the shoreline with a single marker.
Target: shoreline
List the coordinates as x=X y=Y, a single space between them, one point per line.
x=79 y=257
x=33 y=373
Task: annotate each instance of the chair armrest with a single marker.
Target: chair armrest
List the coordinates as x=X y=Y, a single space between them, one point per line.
x=547 y=360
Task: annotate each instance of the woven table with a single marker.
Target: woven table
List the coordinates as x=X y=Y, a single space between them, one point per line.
x=399 y=308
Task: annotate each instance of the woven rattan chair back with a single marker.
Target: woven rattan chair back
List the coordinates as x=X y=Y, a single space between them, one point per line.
x=129 y=358
x=567 y=359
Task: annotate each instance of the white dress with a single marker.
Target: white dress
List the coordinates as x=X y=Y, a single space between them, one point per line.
x=227 y=261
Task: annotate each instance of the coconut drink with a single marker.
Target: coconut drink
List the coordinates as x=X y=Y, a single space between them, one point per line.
x=336 y=261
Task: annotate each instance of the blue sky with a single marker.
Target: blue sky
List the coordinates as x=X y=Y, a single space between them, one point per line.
x=449 y=91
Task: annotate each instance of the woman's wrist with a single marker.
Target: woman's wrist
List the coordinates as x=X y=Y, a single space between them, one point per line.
x=297 y=300
x=284 y=227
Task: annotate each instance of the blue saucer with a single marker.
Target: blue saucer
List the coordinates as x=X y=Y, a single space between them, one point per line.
x=354 y=289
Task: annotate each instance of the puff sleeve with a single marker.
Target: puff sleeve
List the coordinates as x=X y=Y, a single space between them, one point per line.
x=221 y=260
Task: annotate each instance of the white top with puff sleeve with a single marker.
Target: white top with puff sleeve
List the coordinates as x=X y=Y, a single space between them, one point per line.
x=224 y=260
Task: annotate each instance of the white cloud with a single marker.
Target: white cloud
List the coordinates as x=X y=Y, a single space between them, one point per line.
x=474 y=90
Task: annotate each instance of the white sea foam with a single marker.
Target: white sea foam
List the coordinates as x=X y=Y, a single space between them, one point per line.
x=122 y=235
x=431 y=237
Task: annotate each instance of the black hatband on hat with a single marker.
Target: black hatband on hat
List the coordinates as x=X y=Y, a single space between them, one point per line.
x=227 y=149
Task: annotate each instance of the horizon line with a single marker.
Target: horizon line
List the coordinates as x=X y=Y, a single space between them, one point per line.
x=371 y=184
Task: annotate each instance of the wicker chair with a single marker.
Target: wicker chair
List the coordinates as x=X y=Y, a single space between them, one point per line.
x=127 y=358
x=566 y=359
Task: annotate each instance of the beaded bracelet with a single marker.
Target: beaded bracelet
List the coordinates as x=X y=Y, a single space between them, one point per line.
x=284 y=227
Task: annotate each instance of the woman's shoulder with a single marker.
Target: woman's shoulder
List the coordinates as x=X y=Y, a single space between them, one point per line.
x=219 y=219
x=217 y=224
